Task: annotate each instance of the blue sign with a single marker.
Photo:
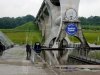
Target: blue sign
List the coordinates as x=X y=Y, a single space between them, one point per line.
x=71 y=29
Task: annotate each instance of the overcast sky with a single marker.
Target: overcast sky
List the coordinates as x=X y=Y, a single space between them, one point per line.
x=15 y=8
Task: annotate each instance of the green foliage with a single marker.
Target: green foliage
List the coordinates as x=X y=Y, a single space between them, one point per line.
x=8 y=23
x=92 y=20
x=92 y=36
x=74 y=39
x=91 y=27
x=24 y=37
x=30 y=26
x=26 y=33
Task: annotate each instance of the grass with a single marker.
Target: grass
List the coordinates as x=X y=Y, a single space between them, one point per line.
x=91 y=27
x=90 y=35
x=29 y=32
x=26 y=33
x=30 y=26
x=24 y=37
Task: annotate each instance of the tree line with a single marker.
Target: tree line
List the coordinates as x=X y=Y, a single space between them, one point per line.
x=92 y=20
x=8 y=22
x=11 y=22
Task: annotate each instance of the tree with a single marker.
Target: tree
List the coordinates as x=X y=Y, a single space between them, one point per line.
x=8 y=23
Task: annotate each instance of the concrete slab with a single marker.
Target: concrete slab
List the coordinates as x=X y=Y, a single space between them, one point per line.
x=13 y=62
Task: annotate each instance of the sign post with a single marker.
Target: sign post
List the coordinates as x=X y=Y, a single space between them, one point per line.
x=71 y=29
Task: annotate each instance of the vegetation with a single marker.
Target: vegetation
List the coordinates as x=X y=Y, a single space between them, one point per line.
x=90 y=35
x=20 y=29
x=92 y=20
x=24 y=37
x=8 y=23
x=91 y=27
x=30 y=26
x=26 y=33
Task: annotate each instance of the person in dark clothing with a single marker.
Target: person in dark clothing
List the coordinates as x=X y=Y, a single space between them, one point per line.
x=37 y=48
x=28 y=51
x=2 y=48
